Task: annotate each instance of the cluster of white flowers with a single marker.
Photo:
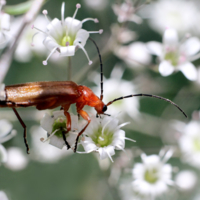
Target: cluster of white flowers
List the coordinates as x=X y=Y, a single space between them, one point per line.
x=66 y=35
x=103 y=135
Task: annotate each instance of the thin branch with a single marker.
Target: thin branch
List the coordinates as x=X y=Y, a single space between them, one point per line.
x=6 y=58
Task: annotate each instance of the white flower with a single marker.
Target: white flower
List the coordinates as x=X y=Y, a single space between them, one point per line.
x=115 y=87
x=103 y=135
x=3 y=196
x=189 y=144
x=26 y=49
x=43 y=152
x=66 y=35
x=152 y=177
x=135 y=54
x=126 y=12
x=6 y=133
x=4 y=26
x=181 y=15
x=175 y=55
x=54 y=124
x=17 y=160
x=186 y=180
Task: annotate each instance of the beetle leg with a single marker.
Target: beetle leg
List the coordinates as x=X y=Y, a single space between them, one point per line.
x=24 y=126
x=68 y=124
x=85 y=116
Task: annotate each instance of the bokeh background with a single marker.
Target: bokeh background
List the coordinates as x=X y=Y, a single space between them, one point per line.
x=154 y=124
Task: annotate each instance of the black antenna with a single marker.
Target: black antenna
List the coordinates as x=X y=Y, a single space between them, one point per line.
x=147 y=95
x=101 y=67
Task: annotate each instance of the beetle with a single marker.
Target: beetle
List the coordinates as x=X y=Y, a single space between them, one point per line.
x=52 y=94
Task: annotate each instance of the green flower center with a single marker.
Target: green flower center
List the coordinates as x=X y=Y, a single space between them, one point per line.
x=67 y=40
x=102 y=139
x=151 y=176
x=59 y=124
x=173 y=57
x=196 y=144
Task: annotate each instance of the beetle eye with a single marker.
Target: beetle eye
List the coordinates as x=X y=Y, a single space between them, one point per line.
x=104 y=108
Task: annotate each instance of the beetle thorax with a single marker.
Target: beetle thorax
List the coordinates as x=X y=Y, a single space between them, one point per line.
x=89 y=98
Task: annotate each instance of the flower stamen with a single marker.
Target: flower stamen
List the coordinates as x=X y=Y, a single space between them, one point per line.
x=45 y=61
x=90 y=19
x=100 y=31
x=90 y=62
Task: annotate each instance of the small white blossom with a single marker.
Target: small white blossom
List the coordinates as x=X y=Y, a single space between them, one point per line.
x=26 y=49
x=135 y=54
x=17 y=160
x=4 y=26
x=54 y=124
x=126 y=12
x=104 y=135
x=175 y=55
x=189 y=144
x=66 y=35
x=186 y=180
x=181 y=15
x=6 y=133
x=153 y=176
x=43 y=152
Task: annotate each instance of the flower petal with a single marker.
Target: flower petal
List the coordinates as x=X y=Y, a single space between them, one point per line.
x=170 y=37
x=88 y=144
x=73 y=25
x=155 y=48
x=57 y=141
x=165 y=68
x=50 y=43
x=189 y=70
x=104 y=151
x=191 y=46
x=56 y=29
x=46 y=123
x=81 y=37
x=5 y=21
x=67 y=51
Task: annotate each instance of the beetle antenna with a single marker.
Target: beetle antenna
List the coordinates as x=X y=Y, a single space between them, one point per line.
x=101 y=67
x=147 y=95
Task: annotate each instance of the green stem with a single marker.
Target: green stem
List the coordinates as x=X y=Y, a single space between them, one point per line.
x=69 y=68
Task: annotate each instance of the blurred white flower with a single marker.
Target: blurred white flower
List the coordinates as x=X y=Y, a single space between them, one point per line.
x=17 y=160
x=181 y=15
x=115 y=87
x=3 y=154
x=4 y=26
x=6 y=133
x=104 y=135
x=153 y=176
x=3 y=195
x=26 y=49
x=126 y=12
x=97 y=4
x=66 y=35
x=135 y=54
x=189 y=144
x=186 y=180
x=43 y=152
x=55 y=124
x=175 y=55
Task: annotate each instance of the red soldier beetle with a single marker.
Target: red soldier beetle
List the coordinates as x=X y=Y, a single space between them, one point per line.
x=49 y=95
